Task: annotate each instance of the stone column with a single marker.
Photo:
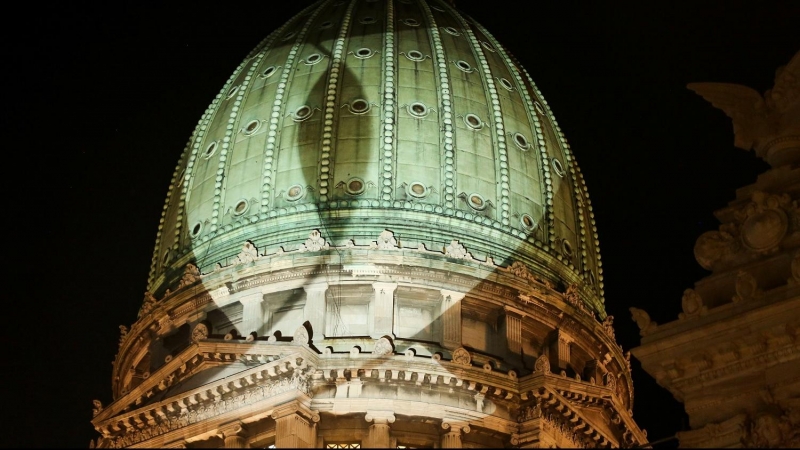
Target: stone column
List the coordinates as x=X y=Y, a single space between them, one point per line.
x=452 y=436
x=559 y=351
x=234 y=435
x=314 y=310
x=293 y=430
x=379 y=436
x=383 y=310
x=252 y=314
x=451 y=319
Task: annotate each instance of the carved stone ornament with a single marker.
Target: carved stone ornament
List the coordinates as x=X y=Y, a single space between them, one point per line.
x=248 y=254
x=98 y=407
x=456 y=250
x=714 y=246
x=746 y=287
x=200 y=332
x=542 y=365
x=608 y=327
x=642 y=319
x=314 y=243
x=461 y=356
x=764 y=221
x=191 y=275
x=692 y=304
x=301 y=336
x=383 y=347
x=768 y=430
x=386 y=240
x=123 y=333
x=529 y=412
x=148 y=304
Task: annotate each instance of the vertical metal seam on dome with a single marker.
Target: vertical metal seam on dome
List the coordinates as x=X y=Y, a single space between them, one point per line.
x=444 y=85
x=278 y=106
x=498 y=131
x=389 y=108
x=530 y=111
x=330 y=105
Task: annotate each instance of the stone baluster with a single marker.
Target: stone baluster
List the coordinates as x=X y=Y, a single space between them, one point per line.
x=234 y=435
x=452 y=436
x=379 y=432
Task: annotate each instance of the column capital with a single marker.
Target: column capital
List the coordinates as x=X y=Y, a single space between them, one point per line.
x=236 y=428
x=315 y=287
x=251 y=299
x=456 y=427
x=380 y=417
x=294 y=407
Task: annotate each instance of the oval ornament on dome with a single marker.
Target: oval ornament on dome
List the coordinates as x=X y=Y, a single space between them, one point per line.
x=765 y=230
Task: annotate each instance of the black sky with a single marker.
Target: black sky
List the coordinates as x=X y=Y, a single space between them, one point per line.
x=103 y=99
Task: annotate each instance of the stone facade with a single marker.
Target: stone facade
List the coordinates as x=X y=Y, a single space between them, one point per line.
x=377 y=236
x=741 y=387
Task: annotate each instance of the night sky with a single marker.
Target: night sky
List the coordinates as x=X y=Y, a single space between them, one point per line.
x=103 y=100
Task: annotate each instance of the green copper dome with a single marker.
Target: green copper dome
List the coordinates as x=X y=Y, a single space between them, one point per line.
x=357 y=117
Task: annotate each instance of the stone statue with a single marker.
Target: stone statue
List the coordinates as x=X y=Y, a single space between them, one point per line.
x=642 y=319
x=757 y=120
x=98 y=407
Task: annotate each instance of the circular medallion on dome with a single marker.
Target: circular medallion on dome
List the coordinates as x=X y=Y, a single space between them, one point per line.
x=251 y=127
x=463 y=66
x=566 y=249
x=241 y=207
x=538 y=107
x=527 y=222
x=367 y=20
x=196 y=230
x=476 y=202
x=289 y=35
x=506 y=84
x=418 y=109
x=558 y=168
x=411 y=22
x=269 y=71
x=473 y=121
x=179 y=178
x=415 y=55
x=355 y=186
x=364 y=53
x=359 y=106
x=325 y=25
x=451 y=30
x=487 y=46
x=312 y=59
x=521 y=141
x=417 y=189
x=295 y=193
x=436 y=8
x=210 y=150
x=302 y=113
x=765 y=230
x=232 y=91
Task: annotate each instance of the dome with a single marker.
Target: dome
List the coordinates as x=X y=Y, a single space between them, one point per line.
x=400 y=116
x=377 y=219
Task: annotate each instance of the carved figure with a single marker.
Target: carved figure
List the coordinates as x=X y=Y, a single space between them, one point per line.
x=123 y=332
x=456 y=250
x=757 y=120
x=248 y=254
x=98 y=407
x=642 y=319
x=608 y=327
x=200 y=332
x=386 y=240
x=301 y=335
x=383 y=347
x=314 y=243
x=148 y=304
x=542 y=364
x=714 y=246
x=191 y=275
x=746 y=287
x=692 y=304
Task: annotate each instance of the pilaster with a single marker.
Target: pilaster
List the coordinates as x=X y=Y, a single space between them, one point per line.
x=314 y=310
x=252 y=313
x=234 y=435
x=295 y=426
x=383 y=310
x=451 y=318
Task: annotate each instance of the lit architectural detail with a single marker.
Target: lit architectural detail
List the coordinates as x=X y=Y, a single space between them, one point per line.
x=741 y=387
x=377 y=236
